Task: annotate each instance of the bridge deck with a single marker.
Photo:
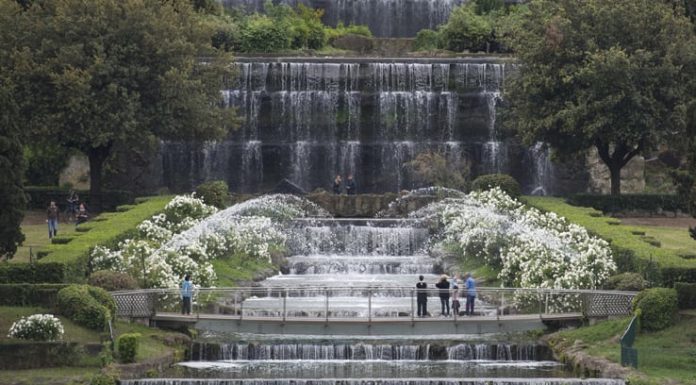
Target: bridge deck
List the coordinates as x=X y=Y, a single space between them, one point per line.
x=358 y=326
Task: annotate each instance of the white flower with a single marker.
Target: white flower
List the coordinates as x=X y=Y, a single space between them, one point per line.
x=37 y=327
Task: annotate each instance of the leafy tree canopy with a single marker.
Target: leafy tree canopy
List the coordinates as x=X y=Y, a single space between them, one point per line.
x=91 y=74
x=610 y=74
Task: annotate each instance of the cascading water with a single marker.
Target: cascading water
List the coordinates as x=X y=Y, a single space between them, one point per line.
x=307 y=120
x=406 y=17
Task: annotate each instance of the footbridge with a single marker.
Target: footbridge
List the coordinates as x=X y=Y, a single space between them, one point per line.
x=367 y=310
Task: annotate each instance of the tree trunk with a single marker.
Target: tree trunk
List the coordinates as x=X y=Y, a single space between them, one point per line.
x=615 y=177
x=97 y=156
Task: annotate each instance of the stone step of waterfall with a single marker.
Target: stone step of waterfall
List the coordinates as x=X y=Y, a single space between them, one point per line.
x=483 y=354
x=360 y=264
x=374 y=381
x=372 y=222
x=358 y=240
x=346 y=307
x=308 y=369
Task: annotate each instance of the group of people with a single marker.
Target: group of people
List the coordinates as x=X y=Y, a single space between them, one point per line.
x=447 y=289
x=349 y=185
x=76 y=210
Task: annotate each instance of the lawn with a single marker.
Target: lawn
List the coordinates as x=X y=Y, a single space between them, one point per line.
x=36 y=233
x=663 y=356
x=73 y=332
x=231 y=271
x=639 y=239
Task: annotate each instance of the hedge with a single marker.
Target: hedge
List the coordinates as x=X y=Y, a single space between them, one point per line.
x=656 y=308
x=127 y=346
x=504 y=181
x=628 y=202
x=88 y=306
x=107 y=230
x=19 y=272
x=41 y=196
x=631 y=252
x=686 y=295
x=27 y=294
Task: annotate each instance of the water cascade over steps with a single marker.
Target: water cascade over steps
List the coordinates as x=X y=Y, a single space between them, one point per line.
x=380 y=259
x=308 y=119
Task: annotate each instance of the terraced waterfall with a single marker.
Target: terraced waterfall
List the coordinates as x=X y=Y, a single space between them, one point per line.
x=354 y=260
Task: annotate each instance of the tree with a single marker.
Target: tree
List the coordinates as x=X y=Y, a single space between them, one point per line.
x=91 y=74
x=466 y=30
x=12 y=198
x=603 y=74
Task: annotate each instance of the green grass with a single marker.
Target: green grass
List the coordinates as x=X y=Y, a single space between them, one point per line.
x=77 y=375
x=36 y=238
x=107 y=229
x=231 y=271
x=151 y=343
x=667 y=255
x=662 y=356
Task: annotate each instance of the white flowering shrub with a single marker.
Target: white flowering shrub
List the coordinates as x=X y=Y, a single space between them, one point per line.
x=532 y=249
x=189 y=235
x=37 y=327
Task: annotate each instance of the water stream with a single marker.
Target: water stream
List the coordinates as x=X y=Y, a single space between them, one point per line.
x=380 y=259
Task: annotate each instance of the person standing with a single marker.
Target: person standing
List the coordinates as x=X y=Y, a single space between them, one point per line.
x=470 y=294
x=337 y=185
x=455 y=294
x=422 y=297
x=444 y=287
x=52 y=219
x=82 y=215
x=186 y=294
x=350 y=185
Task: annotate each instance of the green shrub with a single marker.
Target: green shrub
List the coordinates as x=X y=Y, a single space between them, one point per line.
x=465 y=30
x=658 y=308
x=28 y=294
x=686 y=295
x=127 y=346
x=214 y=193
x=103 y=379
x=32 y=272
x=505 y=182
x=341 y=30
x=263 y=34
x=61 y=240
x=88 y=306
x=427 y=40
x=627 y=282
x=41 y=196
x=112 y=280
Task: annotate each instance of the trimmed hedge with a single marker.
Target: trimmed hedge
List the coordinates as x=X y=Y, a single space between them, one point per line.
x=112 y=280
x=108 y=230
x=41 y=196
x=27 y=294
x=127 y=345
x=504 y=181
x=631 y=252
x=656 y=308
x=215 y=193
x=686 y=295
x=88 y=306
x=627 y=202
x=19 y=272
x=627 y=282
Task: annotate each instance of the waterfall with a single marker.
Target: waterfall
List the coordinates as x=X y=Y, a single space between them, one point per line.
x=308 y=120
x=543 y=170
x=386 y=381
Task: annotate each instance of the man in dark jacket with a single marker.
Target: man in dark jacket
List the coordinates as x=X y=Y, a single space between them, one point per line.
x=422 y=297
x=350 y=185
x=444 y=287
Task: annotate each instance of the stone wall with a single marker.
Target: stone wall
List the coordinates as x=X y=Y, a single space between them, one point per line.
x=366 y=205
x=632 y=175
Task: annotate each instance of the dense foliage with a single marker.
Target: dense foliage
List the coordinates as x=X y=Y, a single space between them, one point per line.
x=214 y=193
x=613 y=75
x=657 y=308
x=502 y=181
x=112 y=280
x=627 y=202
x=686 y=295
x=88 y=306
x=90 y=75
x=37 y=327
x=432 y=169
x=12 y=198
x=127 y=346
x=627 y=282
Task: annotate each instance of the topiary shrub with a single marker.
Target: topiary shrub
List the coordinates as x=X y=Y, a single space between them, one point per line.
x=427 y=40
x=658 y=308
x=686 y=295
x=215 y=193
x=88 y=306
x=112 y=280
x=504 y=181
x=127 y=345
x=627 y=282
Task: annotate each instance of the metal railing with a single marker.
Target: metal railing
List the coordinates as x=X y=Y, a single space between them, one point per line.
x=629 y=355
x=369 y=303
